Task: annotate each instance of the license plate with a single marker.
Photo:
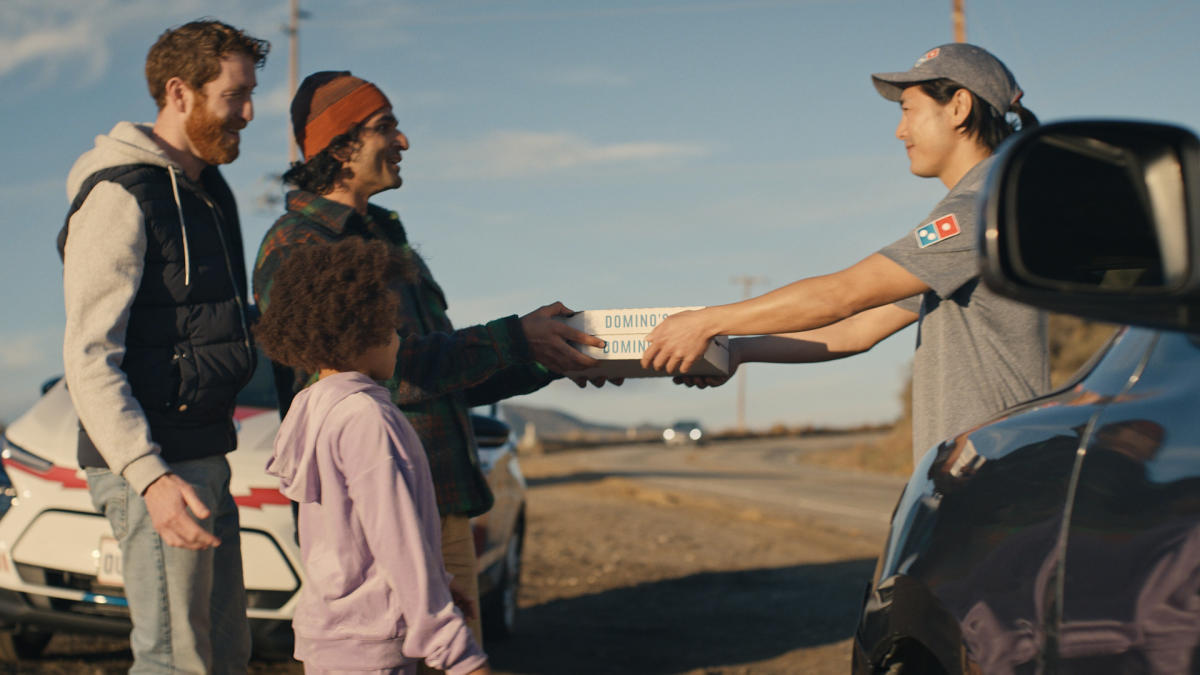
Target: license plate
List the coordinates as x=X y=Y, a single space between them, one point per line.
x=109 y=571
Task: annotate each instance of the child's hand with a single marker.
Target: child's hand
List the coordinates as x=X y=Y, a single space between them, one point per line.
x=464 y=602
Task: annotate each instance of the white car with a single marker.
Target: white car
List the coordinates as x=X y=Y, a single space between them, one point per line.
x=60 y=567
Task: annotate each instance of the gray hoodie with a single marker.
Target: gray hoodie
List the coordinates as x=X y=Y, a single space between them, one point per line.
x=105 y=255
x=375 y=593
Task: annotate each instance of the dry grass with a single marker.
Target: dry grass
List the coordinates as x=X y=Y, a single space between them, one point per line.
x=1072 y=342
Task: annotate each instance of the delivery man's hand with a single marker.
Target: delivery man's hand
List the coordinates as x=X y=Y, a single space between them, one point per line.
x=549 y=340
x=705 y=381
x=678 y=342
x=168 y=499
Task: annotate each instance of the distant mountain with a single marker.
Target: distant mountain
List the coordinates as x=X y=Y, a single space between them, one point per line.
x=549 y=421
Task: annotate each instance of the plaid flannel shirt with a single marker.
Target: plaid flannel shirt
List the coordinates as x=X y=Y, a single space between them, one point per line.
x=440 y=372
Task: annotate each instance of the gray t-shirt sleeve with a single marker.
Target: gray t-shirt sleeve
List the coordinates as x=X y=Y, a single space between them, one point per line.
x=941 y=251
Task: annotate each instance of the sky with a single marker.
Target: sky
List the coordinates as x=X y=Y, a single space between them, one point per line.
x=605 y=154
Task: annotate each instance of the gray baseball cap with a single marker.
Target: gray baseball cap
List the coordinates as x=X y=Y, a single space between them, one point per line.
x=972 y=67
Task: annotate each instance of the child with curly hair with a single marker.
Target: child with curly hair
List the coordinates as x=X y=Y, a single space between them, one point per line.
x=376 y=597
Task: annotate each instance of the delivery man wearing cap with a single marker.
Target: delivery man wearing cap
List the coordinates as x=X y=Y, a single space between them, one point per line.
x=977 y=353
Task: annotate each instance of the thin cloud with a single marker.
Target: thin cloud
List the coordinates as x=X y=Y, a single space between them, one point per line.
x=59 y=37
x=514 y=154
x=501 y=13
x=52 y=46
x=587 y=76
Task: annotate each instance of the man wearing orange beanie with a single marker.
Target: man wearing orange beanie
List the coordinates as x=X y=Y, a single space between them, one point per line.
x=352 y=151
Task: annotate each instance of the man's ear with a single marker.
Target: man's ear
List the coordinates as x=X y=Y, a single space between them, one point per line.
x=343 y=154
x=179 y=96
x=960 y=106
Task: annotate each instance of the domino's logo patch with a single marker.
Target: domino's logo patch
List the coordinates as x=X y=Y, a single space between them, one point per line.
x=939 y=230
x=931 y=54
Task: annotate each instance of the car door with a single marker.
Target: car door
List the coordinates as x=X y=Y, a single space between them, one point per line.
x=1130 y=575
x=967 y=570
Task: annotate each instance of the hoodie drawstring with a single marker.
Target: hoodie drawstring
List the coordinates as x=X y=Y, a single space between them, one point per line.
x=187 y=261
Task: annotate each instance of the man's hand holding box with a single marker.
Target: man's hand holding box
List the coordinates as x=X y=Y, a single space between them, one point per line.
x=624 y=332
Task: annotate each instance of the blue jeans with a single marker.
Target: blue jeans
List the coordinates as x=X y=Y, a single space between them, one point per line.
x=188 y=607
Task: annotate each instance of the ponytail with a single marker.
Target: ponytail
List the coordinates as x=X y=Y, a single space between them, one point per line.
x=985 y=123
x=1026 y=117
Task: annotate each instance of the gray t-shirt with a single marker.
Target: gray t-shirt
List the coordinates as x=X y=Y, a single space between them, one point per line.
x=977 y=353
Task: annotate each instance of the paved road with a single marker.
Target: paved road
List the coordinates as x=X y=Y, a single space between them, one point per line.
x=763 y=473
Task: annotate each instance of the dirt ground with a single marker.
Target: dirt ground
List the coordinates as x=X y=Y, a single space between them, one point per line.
x=621 y=578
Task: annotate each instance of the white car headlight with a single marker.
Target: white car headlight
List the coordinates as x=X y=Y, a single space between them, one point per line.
x=13 y=453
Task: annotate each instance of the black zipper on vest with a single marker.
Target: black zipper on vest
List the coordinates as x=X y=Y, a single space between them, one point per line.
x=237 y=296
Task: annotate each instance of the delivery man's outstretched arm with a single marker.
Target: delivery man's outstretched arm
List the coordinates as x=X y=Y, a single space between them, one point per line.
x=804 y=305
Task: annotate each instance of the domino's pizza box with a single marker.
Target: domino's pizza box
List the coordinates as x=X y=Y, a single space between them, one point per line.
x=625 y=331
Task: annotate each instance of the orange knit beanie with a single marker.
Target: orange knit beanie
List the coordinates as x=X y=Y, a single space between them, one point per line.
x=328 y=104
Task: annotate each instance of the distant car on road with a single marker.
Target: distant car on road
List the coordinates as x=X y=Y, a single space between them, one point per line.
x=683 y=432
x=1063 y=536
x=60 y=566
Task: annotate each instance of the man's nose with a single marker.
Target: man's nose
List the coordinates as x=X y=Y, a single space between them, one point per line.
x=402 y=140
x=248 y=111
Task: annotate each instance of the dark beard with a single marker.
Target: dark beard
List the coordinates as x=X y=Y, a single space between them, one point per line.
x=207 y=134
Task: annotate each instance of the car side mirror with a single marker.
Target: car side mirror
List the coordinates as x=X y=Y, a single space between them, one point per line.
x=1100 y=219
x=489 y=431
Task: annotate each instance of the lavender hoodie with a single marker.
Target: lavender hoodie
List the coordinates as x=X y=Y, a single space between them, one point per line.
x=375 y=594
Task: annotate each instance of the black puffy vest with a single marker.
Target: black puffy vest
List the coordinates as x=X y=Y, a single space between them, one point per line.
x=187 y=346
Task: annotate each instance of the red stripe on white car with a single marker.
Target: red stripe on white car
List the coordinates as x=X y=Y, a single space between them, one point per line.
x=58 y=474
x=259 y=497
x=256 y=499
x=243 y=412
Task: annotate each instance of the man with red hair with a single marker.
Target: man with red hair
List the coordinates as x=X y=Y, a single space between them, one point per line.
x=156 y=346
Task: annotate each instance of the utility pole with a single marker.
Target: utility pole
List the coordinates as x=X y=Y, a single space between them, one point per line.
x=293 y=32
x=958 y=16
x=272 y=196
x=746 y=282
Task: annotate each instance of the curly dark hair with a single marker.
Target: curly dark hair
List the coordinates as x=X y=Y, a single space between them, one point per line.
x=985 y=123
x=330 y=303
x=319 y=174
x=193 y=53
